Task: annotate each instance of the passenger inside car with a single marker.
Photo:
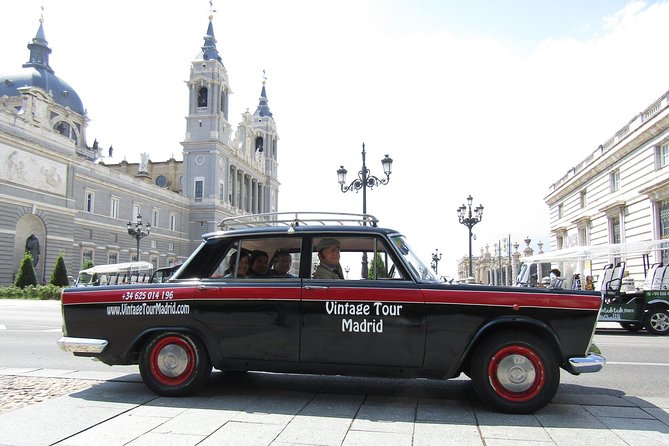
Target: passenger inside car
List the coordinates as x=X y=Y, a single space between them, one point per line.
x=242 y=266
x=259 y=263
x=329 y=252
x=281 y=263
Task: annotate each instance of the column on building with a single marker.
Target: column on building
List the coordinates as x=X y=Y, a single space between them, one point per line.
x=261 y=199
x=233 y=186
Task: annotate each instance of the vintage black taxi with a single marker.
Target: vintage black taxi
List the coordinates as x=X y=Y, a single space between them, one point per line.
x=332 y=294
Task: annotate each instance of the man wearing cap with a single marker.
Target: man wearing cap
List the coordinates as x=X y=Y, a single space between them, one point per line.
x=328 y=255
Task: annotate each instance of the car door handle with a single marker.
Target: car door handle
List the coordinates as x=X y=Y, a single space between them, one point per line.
x=315 y=287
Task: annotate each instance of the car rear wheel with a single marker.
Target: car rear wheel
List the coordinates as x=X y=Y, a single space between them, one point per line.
x=657 y=321
x=515 y=372
x=174 y=364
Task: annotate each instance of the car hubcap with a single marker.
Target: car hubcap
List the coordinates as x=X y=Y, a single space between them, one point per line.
x=660 y=322
x=172 y=361
x=516 y=373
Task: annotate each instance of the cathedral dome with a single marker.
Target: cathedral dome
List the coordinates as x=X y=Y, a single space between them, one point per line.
x=57 y=88
x=38 y=73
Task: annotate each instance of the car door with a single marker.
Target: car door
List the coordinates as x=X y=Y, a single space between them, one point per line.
x=253 y=317
x=366 y=318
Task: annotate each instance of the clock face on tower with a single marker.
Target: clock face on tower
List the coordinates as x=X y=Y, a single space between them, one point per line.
x=199 y=160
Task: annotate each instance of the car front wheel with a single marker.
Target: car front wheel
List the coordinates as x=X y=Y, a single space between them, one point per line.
x=515 y=372
x=174 y=364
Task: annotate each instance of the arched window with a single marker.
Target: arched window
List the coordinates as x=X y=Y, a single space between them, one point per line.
x=202 y=97
x=65 y=129
x=259 y=144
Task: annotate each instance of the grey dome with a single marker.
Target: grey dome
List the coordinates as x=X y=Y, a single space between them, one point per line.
x=61 y=91
x=38 y=73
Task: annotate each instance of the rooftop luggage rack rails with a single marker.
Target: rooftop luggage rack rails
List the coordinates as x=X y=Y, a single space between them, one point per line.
x=294 y=219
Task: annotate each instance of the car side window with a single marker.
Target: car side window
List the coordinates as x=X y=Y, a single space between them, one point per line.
x=261 y=258
x=353 y=258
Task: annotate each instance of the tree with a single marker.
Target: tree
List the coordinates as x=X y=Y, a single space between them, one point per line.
x=377 y=268
x=26 y=275
x=87 y=264
x=59 y=274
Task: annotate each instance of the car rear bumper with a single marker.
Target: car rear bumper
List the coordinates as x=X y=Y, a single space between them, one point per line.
x=587 y=364
x=82 y=345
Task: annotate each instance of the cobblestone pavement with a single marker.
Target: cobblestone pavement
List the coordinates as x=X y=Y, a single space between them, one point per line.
x=21 y=391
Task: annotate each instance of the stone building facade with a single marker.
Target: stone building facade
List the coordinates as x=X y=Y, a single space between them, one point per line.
x=58 y=198
x=619 y=194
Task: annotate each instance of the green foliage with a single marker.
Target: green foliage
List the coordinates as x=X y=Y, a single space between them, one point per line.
x=39 y=292
x=87 y=264
x=59 y=274
x=26 y=274
x=377 y=265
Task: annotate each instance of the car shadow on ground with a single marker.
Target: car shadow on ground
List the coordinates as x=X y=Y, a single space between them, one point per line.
x=387 y=400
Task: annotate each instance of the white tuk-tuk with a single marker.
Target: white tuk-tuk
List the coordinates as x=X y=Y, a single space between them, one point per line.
x=115 y=274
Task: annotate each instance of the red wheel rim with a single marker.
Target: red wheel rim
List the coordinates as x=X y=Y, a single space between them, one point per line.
x=517 y=373
x=172 y=361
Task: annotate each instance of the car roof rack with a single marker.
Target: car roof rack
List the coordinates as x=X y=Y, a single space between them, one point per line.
x=294 y=219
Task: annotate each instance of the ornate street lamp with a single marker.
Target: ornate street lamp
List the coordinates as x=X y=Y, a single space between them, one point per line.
x=468 y=219
x=135 y=230
x=365 y=180
x=436 y=257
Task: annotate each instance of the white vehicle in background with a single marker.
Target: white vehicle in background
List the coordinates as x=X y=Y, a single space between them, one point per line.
x=115 y=274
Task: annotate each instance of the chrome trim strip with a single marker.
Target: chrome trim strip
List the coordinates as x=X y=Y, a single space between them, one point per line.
x=82 y=345
x=587 y=364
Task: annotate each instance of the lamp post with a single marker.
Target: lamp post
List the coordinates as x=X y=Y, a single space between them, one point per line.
x=365 y=180
x=468 y=219
x=436 y=257
x=135 y=230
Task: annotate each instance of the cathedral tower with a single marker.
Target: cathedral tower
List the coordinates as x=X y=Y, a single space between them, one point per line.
x=225 y=174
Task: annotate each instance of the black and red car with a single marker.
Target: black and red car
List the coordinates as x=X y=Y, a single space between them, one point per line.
x=388 y=315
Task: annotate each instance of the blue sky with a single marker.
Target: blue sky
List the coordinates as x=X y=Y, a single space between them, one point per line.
x=497 y=99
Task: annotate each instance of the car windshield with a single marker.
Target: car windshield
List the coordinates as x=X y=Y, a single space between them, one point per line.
x=424 y=273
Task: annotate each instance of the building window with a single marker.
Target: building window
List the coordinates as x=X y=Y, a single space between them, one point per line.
x=615 y=180
x=135 y=212
x=199 y=189
x=173 y=222
x=112 y=257
x=155 y=220
x=86 y=255
x=153 y=244
x=154 y=261
x=663 y=209
x=170 y=246
x=202 y=97
x=221 y=191
x=115 y=204
x=614 y=229
x=161 y=181
x=560 y=210
x=583 y=236
x=584 y=200
x=663 y=155
x=89 y=205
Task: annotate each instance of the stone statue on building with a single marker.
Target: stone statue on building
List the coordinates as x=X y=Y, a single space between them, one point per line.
x=32 y=246
x=144 y=162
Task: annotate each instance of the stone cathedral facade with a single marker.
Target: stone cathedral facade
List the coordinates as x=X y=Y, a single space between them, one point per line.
x=57 y=197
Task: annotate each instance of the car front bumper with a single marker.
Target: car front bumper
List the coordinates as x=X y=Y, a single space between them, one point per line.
x=82 y=345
